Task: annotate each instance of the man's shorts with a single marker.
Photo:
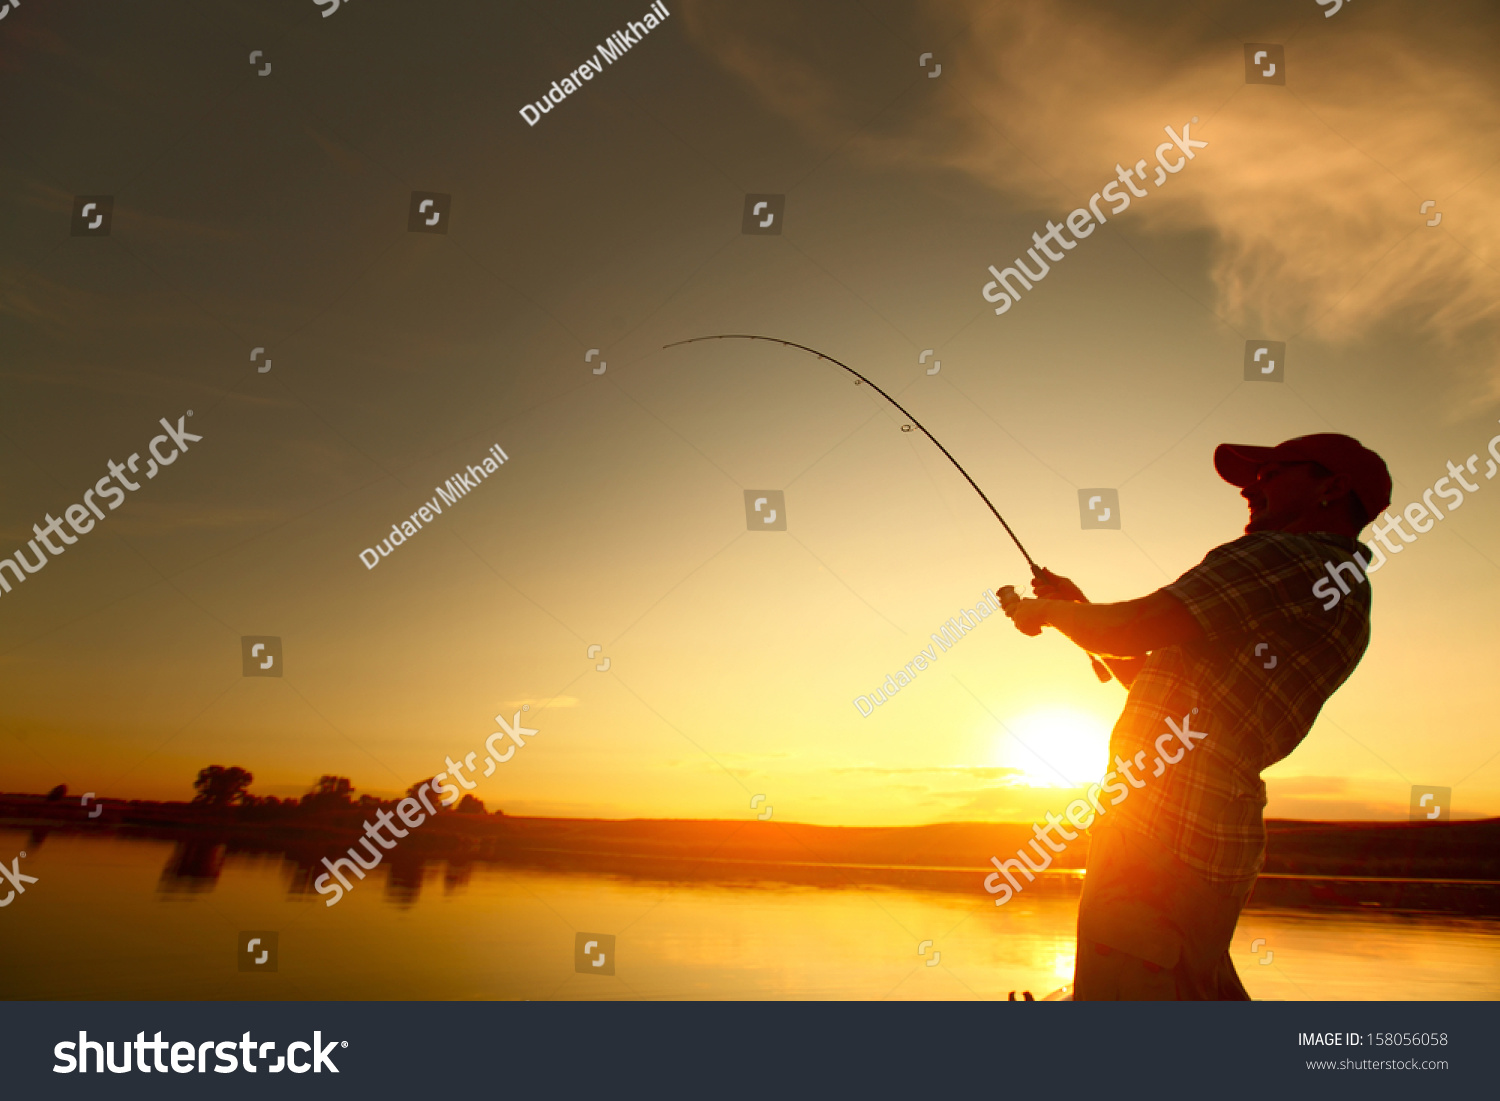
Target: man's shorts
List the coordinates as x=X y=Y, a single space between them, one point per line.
x=1151 y=929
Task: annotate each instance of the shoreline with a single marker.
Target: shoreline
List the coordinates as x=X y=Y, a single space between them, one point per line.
x=1442 y=868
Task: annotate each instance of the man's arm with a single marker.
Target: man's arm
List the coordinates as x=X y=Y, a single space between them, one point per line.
x=1050 y=586
x=1127 y=630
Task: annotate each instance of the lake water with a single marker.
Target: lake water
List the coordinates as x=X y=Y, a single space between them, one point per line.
x=111 y=918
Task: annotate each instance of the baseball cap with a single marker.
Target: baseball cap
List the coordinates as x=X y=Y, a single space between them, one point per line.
x=1238 y=464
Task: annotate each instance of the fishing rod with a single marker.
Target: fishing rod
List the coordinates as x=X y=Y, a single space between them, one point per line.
x=1036 y=571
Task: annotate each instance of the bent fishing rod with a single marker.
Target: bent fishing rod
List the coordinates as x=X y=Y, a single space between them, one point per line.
x=1036 y=571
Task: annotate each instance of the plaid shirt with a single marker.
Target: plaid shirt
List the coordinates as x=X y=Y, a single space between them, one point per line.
x=1207 y=807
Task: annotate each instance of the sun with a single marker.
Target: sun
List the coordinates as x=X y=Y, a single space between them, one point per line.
x=1056 y=747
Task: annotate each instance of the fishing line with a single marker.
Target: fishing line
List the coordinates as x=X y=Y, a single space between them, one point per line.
x=1036 y=571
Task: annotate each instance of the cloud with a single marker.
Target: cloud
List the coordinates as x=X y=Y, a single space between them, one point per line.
x=541 y=703
x=1307 y=198
x=1323 y=798
x=1009 y=803
x=974 y=772
x=1302 y=786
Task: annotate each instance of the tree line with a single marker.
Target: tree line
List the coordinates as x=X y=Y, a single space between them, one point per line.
x=220 y=787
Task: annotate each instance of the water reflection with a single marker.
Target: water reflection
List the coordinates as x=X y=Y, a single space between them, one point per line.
x=193 y=868
x=680 y=934
x=457 y=875
x=403 y=880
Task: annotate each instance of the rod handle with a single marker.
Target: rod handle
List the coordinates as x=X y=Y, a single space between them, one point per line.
x=1100 y=669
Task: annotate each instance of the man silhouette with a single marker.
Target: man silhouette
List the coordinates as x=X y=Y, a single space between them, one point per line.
x=1240 y=646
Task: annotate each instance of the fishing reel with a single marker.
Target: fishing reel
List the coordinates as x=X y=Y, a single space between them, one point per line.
x=1009 y=598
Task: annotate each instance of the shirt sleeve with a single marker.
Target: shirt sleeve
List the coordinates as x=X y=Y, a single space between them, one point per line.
x=1254 y=582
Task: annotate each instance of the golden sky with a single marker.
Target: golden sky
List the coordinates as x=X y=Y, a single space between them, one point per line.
x=272 y=212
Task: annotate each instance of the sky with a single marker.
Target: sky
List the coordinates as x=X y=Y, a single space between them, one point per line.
x=272 y=212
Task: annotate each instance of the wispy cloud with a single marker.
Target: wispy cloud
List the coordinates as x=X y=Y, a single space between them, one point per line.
x=1305 y=208
x=545 y=703
x=971 y=772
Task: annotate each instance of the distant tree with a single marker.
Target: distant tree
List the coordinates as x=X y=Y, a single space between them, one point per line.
x=334 y=787
x=330 y=791
x=434 y=795
x=470 y=805
x=411 y=792
x=58 y=793
x=369 y=802
x=218 y=786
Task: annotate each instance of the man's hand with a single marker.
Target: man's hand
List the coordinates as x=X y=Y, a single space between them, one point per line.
x=1049 y=586
x=1029 y=616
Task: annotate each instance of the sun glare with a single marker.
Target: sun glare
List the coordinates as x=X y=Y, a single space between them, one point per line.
x=1056 y=747
x=1063 y=964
